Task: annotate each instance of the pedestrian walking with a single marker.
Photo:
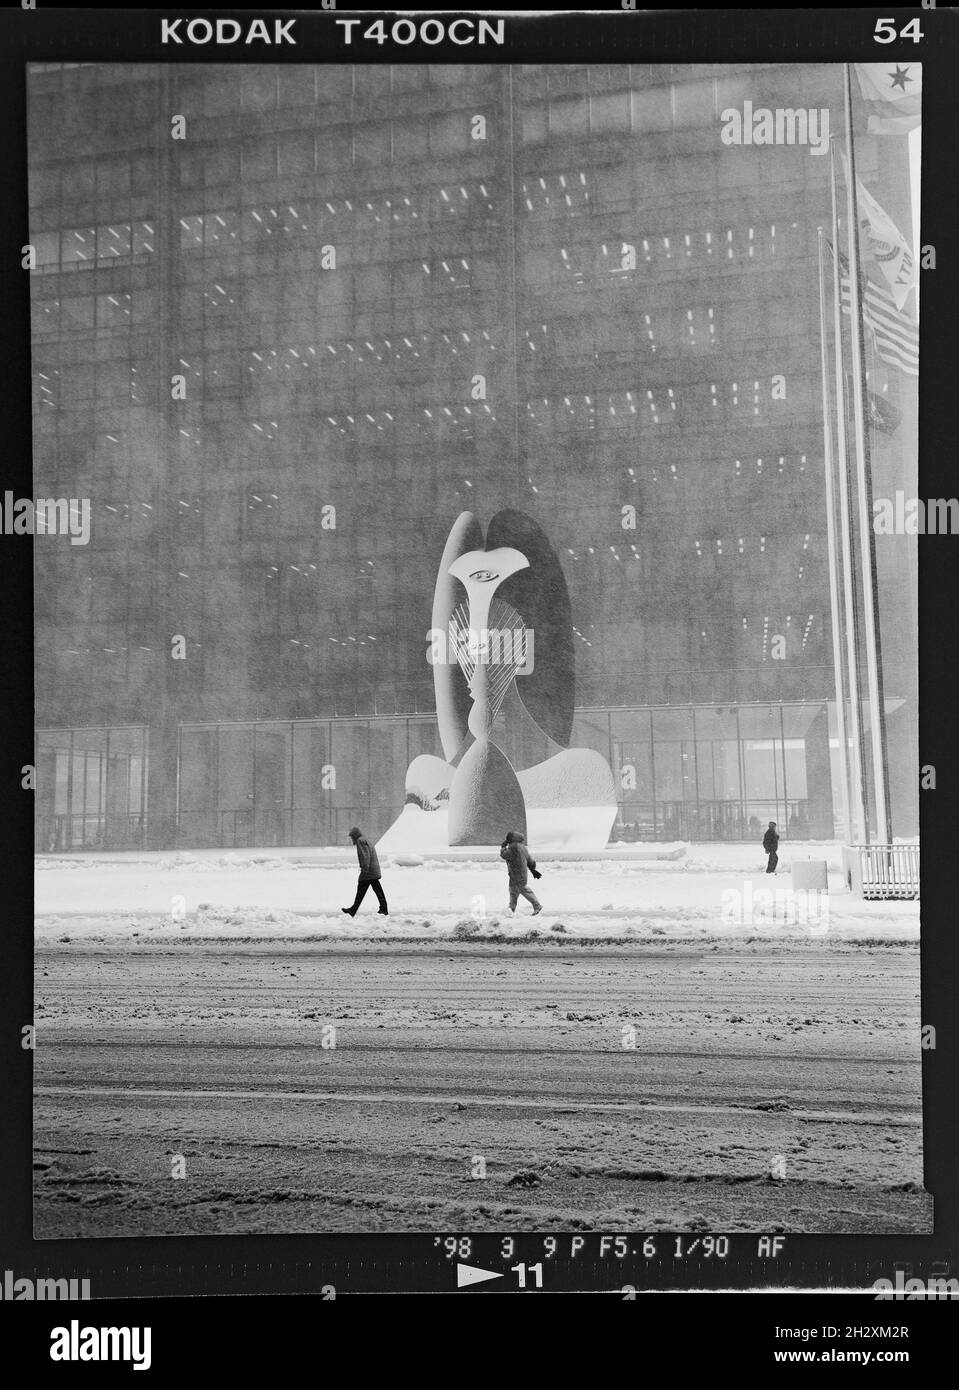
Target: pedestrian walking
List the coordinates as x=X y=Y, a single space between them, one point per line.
x=519 y=861
x=771 y=845
x=369 y=874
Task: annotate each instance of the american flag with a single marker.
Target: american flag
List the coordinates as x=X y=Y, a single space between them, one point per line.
x=883 y=415
x=895 y=333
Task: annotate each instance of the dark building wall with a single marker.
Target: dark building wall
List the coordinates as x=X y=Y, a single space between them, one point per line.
x=606 y=385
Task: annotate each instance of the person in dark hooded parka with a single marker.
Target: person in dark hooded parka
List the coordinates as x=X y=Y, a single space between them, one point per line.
x=369 y=873
x=518 y=861
x=771 y=846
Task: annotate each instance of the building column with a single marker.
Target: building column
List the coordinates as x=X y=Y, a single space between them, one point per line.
x=163 y=740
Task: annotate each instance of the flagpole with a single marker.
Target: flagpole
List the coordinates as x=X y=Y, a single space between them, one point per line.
x=867 y=540
x=834 y=605
x=859 y=802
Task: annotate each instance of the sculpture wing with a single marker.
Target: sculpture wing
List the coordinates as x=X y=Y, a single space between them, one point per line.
x=540 y=596
x=449 y=683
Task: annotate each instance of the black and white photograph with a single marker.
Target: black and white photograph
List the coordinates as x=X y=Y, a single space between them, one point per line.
x=464 y=495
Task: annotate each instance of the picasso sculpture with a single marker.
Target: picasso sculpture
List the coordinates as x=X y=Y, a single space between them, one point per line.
x=501 y=650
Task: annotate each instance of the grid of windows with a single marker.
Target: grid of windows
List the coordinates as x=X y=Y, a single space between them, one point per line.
x=635 y=341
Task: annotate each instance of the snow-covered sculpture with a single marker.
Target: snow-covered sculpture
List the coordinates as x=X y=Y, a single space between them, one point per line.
x=501 y=648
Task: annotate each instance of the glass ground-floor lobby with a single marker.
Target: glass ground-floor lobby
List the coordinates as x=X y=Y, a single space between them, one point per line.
x=693 y=772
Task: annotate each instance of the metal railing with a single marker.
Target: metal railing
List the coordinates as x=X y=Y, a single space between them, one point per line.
x=245 y=828
x=888 y=871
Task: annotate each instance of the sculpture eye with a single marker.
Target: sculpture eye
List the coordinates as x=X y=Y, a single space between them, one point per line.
x=484 y=576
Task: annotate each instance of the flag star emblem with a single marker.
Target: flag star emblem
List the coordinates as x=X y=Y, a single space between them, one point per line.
x=900 y=77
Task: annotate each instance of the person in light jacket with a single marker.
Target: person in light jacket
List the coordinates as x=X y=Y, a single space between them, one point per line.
x=518 y=861
x=369 y=874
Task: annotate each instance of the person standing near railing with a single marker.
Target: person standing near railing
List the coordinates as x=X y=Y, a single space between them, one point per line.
x=771 y=846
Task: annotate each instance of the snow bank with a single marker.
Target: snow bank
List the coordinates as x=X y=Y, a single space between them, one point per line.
x=256 y=894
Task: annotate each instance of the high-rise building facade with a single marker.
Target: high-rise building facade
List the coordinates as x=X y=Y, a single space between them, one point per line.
x=290 y=321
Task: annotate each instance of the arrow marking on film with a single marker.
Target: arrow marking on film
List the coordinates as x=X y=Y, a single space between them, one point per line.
x=469 y=1274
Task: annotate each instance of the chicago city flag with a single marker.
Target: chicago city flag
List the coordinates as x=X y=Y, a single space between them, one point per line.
x=883 y=243
x=893 y=96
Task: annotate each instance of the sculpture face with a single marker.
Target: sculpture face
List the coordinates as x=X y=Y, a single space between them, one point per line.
x=481 y=572
x=519 y=580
